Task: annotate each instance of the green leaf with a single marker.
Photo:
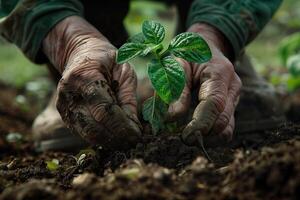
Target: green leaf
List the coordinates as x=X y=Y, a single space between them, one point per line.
x=131 y=173
x=154 y=32
x=293 y=83
x=138 y=38
x=167 y=77
x=289 y=46
x=81 y=159
x=129 y=51
x=88 y=151
x=154 y=110
x=53 y=164
x=293 y=65
x=191 y=47
x=153 y=48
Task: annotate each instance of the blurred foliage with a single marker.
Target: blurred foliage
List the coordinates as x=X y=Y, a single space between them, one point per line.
x=52 y=165
x=264 y=49
x=288 y=15
x=289 y=51
x=293 y=65
x=289 y=46
x=16 y=70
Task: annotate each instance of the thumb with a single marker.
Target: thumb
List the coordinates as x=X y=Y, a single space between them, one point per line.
x=126 y=78
x=180 y=107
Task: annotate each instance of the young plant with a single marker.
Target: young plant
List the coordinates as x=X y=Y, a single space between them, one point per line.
x=165 y=72
x=289 y=51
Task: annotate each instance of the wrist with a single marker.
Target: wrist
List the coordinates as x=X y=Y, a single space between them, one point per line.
x=72 y=41
x=214 y=37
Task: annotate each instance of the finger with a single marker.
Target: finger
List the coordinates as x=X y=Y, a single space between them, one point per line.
x=144 y=90
x=125 y=78
x=92 y=111
x=212 y=96
x=181 y=106
x=205 y=115
x=105 y=111
x=232 y=100
x=227 y=133
x=78 y=118
x=74 y=112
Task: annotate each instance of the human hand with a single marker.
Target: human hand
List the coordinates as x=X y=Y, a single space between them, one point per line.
x=96 y=96
x=217 y=87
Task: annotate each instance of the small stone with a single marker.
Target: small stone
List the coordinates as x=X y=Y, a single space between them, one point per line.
x=130 y=173
x=3 y=166
x=164 y=176
x=13 y=164
x=189 y=187
x=83 y=180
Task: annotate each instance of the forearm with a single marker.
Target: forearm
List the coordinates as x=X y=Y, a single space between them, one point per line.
x=213 y=36
x=30 y=21
x=239 y=21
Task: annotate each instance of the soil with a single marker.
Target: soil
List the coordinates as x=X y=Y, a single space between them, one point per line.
x=259 y=165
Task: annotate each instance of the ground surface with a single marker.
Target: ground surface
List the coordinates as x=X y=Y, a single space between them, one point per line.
x=263 y=166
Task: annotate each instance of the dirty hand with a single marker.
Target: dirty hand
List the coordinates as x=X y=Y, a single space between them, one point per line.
x=218 y=90
x=96 y=96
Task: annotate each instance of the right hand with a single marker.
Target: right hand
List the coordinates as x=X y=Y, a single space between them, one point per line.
x=96 y=96
x=218 y=87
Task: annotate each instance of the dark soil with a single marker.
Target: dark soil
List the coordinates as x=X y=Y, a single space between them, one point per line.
x=259 y=165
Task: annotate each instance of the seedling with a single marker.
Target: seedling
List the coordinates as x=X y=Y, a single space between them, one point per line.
x=165 y=72
x=52 y=165
x=289 y=52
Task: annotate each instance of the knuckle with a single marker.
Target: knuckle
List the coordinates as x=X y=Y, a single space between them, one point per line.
x=228 y=65
x=79 y=80
x=218 y=101
x=79 y=75
x=236 y=87
x=227 y=134
x=111 y=53
x=60 y=105
x=225 y=70
x=219 y=74
x=238 y=81
x=130 y=71
x=223 y=120
x=202 y=124
x=62 y=84
x=204 y=127
x=125 y=75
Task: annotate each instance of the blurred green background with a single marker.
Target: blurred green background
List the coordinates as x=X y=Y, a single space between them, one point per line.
x=17 y=71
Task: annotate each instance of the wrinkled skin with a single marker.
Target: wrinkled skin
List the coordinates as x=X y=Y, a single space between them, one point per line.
x=217 y=86
x=96 y=96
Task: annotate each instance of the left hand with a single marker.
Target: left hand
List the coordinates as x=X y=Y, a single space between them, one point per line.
x=218 y=88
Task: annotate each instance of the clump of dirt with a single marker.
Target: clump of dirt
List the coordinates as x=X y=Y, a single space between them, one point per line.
x=293 y=106
x=271 y=173
x=258 y=165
